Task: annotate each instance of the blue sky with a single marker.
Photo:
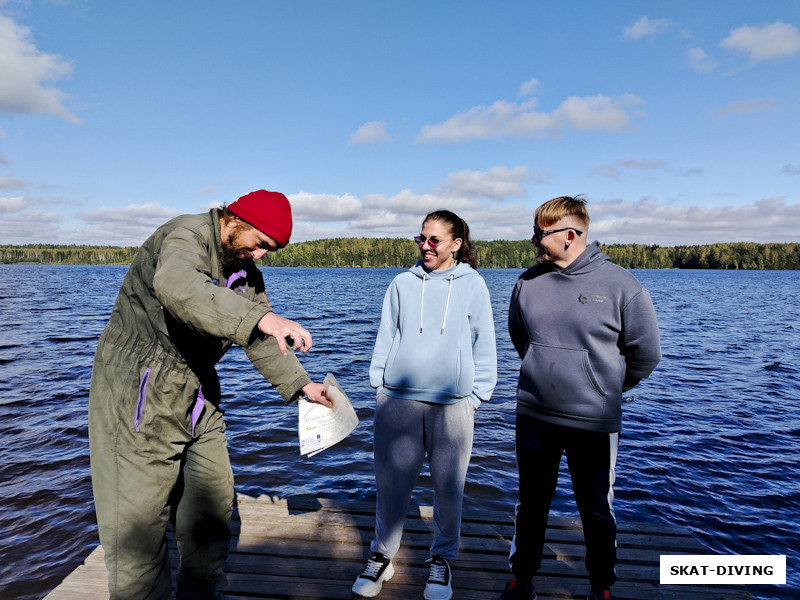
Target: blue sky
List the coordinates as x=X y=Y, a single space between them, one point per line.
x=679 y=121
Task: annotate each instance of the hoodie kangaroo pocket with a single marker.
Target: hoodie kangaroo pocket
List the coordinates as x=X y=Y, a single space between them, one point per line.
x=561 y=380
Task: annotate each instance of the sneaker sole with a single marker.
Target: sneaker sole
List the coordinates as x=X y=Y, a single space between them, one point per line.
x=427 y=597
x=371 y=593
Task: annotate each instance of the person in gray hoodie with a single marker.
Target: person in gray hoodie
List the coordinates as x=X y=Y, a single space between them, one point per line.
x=586 y=332
x=434 y=362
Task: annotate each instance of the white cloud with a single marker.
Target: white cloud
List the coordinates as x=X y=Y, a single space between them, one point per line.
x=642 y=164
x=746 y=106
x=596 y=113
x=31 y=227
x=149 y=213
x=651 y=222
x=401 y=216
x=130 y=225
x=25 y=73
x=790 y=170
x=497 y=183
x=646 y=221
x=317 y=216
x=646 y=27
x=13 y=204
x=207 y=206
x=529 y=87
x=610 y=171
x=384 y=224
x=369 y=133
x=699 y=60
x=406 y=202
x=509 y=119
x=324 y=207
x=768 y=42
x=7 y=183
x=614 y=170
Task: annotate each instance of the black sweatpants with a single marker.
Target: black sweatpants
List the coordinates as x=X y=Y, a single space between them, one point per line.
x=591 y=458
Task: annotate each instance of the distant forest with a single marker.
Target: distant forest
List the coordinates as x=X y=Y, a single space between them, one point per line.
x=397 y=252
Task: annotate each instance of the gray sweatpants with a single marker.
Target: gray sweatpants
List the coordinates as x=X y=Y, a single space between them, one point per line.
x=405 y=431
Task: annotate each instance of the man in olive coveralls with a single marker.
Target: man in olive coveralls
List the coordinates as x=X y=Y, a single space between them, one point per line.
x=156 y=431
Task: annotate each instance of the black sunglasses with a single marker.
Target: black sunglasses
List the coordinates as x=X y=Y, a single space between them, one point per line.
x=539 y=233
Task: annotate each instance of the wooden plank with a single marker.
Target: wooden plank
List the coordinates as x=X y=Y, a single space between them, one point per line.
x=301 y=504
x=314 y=548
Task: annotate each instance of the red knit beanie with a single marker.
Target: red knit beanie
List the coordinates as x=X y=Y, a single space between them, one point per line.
x=269 y=212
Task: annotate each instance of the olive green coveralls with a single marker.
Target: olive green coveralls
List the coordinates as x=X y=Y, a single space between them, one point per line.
x=156 y=431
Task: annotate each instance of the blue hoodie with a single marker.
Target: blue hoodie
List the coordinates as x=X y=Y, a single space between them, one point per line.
x=436 y=340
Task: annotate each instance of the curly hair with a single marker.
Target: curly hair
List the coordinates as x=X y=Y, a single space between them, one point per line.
x=227 y=216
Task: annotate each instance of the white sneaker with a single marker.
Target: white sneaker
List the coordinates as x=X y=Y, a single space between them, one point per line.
x=439 y=585
x=378 y=569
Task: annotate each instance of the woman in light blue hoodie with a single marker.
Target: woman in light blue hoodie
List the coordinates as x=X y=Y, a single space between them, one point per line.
x=434 y=362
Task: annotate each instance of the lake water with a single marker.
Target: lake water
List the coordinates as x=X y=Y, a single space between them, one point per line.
x=710 y=442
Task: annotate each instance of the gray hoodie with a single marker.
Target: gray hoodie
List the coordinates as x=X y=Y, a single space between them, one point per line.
x=585 y=333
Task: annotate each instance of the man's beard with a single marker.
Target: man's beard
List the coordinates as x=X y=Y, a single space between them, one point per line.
x=229 y=255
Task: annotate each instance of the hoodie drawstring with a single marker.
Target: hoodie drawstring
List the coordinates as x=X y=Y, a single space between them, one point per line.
x=422 y=301
x=447 y=304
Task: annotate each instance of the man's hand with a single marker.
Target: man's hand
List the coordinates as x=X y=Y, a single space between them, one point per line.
x=315 y=392
x=284 y=329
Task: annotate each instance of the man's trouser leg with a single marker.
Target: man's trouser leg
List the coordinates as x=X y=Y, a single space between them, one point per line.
x=133 y=474
x=539 y=450
x=132 y=523
x=204 y=501
x=592 y=459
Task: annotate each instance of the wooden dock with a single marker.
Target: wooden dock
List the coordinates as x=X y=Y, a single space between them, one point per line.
x=313 y=549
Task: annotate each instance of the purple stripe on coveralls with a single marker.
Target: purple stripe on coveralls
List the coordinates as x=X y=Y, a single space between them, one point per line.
x=139 y=414
x=234 y=277
x=199 y=404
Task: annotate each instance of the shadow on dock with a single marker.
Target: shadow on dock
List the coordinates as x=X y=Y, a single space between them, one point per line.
x=314 y=548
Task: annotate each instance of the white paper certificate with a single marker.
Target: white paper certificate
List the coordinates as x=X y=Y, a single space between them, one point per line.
x=320 y=427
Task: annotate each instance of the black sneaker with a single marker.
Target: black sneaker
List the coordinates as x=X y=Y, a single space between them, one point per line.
x=517 y=590
x=601 y=595
x=378 y=569
x=439 y=586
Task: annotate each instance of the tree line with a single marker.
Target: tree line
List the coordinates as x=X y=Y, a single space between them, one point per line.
x=50 y=254
x=402 y=253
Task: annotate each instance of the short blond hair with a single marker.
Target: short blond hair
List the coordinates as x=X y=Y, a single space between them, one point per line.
x=556 y=209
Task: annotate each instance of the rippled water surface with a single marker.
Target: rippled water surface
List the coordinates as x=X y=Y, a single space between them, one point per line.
x=709 y=442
